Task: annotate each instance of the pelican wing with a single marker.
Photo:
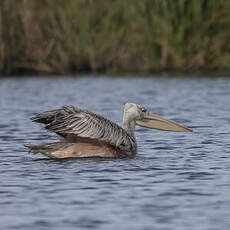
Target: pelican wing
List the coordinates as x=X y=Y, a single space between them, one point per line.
x=82 y=123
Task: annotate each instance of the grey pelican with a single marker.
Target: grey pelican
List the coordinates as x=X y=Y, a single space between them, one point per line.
x=86 y=134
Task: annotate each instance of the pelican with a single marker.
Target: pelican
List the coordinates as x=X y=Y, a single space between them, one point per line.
x=86 y=134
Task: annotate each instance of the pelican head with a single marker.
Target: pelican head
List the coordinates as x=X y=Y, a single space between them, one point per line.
x=138 y=115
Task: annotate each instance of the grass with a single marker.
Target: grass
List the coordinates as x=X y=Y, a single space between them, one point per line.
x=112 y=36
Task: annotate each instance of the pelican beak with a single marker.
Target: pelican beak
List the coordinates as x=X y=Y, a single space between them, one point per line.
x=153 y=121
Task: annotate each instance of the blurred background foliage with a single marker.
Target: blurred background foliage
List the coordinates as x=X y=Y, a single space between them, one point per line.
x=114 y=36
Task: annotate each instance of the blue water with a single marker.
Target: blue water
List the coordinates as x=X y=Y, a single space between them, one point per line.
x=176 y=181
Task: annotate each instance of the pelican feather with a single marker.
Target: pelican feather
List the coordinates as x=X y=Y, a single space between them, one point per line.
x=83 y=123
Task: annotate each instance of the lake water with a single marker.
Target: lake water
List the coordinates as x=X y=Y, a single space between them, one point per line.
x=176 y=181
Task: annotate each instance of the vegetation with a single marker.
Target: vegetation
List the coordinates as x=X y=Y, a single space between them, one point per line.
x=113 y=36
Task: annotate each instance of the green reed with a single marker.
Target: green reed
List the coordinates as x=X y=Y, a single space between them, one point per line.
x=113 y=36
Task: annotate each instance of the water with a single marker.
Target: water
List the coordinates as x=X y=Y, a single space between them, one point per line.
x=177 y=180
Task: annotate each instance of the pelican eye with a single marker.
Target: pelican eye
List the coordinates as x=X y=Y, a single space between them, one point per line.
x=143 y=109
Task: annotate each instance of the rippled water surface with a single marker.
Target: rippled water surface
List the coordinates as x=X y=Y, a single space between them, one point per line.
x=176 y=181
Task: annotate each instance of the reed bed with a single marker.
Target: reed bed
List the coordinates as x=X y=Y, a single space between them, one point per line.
x=113 y=36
